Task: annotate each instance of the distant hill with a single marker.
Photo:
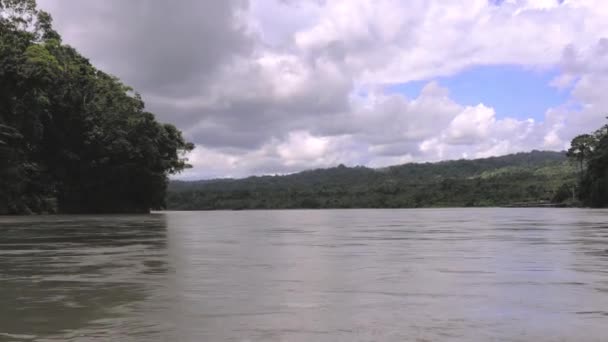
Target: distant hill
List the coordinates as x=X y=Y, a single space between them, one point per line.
x=531 y=178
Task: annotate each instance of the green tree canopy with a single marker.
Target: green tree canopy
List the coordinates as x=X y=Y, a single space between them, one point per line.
x=71 y=134
x=592 y=150
x=581 y=148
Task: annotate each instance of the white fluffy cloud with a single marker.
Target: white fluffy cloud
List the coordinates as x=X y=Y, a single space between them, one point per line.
x=395 y=41
x=274 y=86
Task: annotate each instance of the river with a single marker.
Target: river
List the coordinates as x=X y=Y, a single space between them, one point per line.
x=307 y=275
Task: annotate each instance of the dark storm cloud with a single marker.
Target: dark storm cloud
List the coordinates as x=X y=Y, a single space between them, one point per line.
x=168 y=48
x=195 y=64
x=159 y=46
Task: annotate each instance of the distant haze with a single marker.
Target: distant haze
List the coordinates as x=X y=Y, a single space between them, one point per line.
x=277 y=86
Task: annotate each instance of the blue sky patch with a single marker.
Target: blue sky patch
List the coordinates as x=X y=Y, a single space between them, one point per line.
x=513 y=91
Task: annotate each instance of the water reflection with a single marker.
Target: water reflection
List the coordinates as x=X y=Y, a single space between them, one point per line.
x=77 y=276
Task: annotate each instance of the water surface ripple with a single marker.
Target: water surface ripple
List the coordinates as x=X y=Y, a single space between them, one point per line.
x=307 y=275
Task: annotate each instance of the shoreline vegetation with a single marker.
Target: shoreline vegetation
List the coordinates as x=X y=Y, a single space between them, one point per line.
x=574 y=178
x=533 y=179
x=74 y=139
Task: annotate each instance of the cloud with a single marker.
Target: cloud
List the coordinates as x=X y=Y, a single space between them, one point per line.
x=275 y=86
x=164 y=48
x=393 y=41
x=471 y=126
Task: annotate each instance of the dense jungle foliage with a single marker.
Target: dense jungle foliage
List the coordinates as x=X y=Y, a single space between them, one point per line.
x=535 y=178
x=73 y=138
x=590 y=151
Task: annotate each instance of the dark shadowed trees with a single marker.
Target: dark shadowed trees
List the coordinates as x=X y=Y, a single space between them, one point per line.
x=594 y=183
x=591 y=152
x=72 y=137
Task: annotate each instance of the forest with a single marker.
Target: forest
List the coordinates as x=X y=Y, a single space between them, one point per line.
x=74 y=139
x=577 y=177
x=590 y=153
x=536 y=178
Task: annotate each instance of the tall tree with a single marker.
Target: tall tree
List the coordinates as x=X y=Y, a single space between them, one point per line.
x=594 y=185
x=592 y=152
x=581 y=149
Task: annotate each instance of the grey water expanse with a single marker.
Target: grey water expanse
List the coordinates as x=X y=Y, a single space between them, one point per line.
x=324 y=275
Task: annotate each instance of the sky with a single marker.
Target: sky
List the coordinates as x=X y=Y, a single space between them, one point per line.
x=279 y=86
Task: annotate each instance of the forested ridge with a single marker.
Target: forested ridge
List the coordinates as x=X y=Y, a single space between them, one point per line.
x=73 y=138
x=534 y=178
x=577 y=177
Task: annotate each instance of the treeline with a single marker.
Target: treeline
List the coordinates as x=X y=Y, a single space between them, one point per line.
x=534 y=178
x=73 y=138
x=590 y=152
